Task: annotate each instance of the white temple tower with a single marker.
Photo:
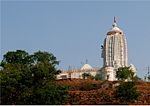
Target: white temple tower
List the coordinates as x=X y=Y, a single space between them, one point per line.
x=114 y=52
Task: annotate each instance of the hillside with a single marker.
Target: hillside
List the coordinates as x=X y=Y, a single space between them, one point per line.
x=93 y=92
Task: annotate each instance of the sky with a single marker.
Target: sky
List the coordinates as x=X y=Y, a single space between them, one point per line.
x=75 y=30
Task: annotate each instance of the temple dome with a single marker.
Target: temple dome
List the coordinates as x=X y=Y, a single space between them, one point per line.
x=86 y=67
x=116 y=29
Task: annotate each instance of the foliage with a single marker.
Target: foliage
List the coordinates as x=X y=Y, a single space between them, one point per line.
x=87 y=76
x=16 y=57
x=44 y=57
x=98 y=77
x=29 y=79
x=15 y=85
x=148 y=77
x=124 y=73
x=127 y=92
x=51 y=93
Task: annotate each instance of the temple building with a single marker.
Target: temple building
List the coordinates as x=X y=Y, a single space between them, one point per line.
x=114 y=52
x=77 y=73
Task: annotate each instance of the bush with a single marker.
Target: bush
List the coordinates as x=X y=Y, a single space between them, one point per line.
x=98 y=77
x=124 y=73
x=50 y=94
x=87 y=76
x=127 y=92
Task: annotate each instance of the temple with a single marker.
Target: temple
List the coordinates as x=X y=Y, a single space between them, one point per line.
x=114 y=52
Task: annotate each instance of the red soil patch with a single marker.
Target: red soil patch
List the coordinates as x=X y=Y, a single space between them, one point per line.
x=92 y=92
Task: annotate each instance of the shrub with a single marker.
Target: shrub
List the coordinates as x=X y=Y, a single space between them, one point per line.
x=98 y=77
x=87 y=76
x=127 y=92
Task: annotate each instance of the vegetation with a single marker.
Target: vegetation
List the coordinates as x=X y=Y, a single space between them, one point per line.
x=125 y=73
x=87 y=76
x=98 y=77
x=29 y=79
x=148 y=77
x=127 y=92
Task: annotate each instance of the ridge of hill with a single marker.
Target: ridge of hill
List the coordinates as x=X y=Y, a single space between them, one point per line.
x=92 y=92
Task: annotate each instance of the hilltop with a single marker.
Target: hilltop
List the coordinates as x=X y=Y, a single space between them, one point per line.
x=91 y=92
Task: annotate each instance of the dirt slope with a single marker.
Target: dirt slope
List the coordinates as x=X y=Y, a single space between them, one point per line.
x=91 y=92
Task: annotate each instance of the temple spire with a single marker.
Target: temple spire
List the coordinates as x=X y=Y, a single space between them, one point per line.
x=114 y=24
x=114 y=19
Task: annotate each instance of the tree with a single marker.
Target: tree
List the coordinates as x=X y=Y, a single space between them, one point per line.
x=50 y=94
x=87 y=76
x=45 y=57
x=16 y=57
x=16 y=84
x=98 y=77
x=30 y=79
x=148 y=77
x=127 y=92
x=44 y=66
x=124 y=73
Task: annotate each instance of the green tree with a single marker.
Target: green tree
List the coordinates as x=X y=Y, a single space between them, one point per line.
x=45 y=57
x=124 y=73
x=16 y=57
x=98 y=77
x=127 y=92
x=24 y=77
x=87 y=76
x=44 y=66
x=51 y=93
x=16 y=84
x=148 y=77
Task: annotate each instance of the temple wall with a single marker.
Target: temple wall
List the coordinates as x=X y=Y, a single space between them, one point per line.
x=76 y=73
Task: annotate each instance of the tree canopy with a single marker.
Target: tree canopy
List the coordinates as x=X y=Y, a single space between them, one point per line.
x=16 y=57
x=44 y=57
x=124 y=73
x=87 y=76
x=30 y=79
x=98 y=77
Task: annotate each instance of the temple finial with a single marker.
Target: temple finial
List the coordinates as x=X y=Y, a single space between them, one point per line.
x=114 y=24
x=114 y=19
